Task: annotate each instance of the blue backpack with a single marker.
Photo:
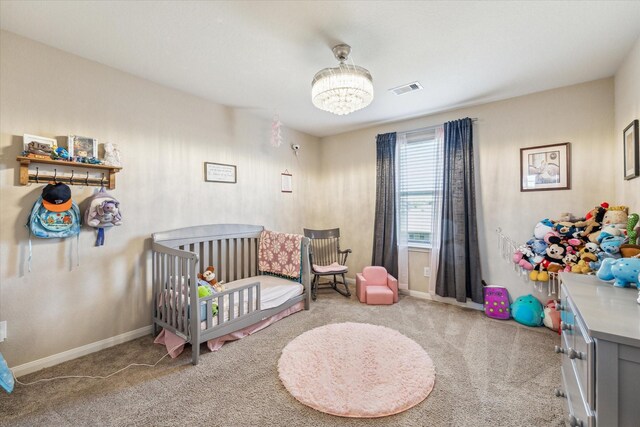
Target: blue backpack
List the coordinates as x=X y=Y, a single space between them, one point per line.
x=47 y=224
x=54 y=215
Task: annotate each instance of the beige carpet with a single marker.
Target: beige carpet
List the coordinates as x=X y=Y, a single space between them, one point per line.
x=488 y=373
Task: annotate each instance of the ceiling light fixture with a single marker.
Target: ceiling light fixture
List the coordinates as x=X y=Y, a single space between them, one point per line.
x=343 y=89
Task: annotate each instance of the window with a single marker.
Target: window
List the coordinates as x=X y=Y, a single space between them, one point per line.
x=419 y=183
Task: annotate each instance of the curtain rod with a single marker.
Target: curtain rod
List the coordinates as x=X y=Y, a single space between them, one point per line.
x=473 y=119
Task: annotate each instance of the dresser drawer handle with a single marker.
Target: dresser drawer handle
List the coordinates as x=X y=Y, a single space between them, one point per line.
x=559 y=393
x=566 y=326
x=573 y=354
x=574 y=422
x=559 y=349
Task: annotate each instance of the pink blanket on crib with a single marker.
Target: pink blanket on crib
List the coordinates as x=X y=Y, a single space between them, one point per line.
x=175 y=344
x=279 y=253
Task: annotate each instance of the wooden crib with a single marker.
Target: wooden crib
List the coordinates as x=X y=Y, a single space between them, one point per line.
x=179 y=255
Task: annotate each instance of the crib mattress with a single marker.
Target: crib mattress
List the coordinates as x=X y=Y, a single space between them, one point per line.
x=274 y=291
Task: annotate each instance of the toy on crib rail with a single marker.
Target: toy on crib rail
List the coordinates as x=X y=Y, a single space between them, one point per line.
x=210 y=277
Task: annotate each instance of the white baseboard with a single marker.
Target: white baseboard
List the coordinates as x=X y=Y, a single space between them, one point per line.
x=428 y=296
x=74 y=353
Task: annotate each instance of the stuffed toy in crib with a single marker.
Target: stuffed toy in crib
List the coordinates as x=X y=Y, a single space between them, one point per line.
x=210 y=277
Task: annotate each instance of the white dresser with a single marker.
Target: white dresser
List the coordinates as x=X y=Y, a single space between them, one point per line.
x=600 y=344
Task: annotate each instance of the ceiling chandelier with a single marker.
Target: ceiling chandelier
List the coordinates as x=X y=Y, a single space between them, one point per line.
x=343 y=89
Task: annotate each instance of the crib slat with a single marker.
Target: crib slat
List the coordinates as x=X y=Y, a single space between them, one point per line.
x=243 y=273
x=226 y=259
x=209 y=314
x=257 y=288
x=231 y=306
x=241 y=303
x=220 y=310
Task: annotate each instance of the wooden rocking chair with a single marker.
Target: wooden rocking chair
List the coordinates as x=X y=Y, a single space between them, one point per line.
x=327 y=259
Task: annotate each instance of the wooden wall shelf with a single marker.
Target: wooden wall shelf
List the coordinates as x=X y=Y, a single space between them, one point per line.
x=108 y=176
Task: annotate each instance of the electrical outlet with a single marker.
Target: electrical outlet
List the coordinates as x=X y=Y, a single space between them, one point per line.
x=3 y=331
x=427 y=271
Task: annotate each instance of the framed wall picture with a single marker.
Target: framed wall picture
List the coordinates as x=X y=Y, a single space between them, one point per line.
x=546 y=167
x=286 y=182
x=631 y=151
x=219 y=172
x=81 y=146
x=38 y=145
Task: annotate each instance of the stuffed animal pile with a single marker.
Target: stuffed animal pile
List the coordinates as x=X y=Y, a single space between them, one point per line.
x=578 y=245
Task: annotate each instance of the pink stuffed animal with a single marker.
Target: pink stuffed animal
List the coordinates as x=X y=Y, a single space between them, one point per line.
x=551 y=316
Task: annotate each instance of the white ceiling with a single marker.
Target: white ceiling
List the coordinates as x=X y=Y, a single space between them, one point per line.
x=262 y=55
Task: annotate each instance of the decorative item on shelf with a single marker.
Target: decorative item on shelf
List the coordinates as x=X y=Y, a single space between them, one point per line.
x=343 y=89
x=38 y=147
x=631 y=150
x=546 y=167
x=112 y=155
x=82 y=147
x=60 y=153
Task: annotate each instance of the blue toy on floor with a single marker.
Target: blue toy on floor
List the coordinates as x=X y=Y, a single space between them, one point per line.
x=528 y=311
x=6 y=377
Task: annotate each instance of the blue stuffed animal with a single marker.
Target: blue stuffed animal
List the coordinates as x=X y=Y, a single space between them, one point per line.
x=528 y=311
x=625 y=271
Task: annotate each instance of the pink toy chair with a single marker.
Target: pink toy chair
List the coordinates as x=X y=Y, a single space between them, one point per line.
x=375 y=286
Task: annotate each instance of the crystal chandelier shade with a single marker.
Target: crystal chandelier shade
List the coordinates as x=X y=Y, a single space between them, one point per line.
x=343 y=89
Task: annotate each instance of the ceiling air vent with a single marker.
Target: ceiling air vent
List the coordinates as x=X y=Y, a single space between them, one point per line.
x=410 y=87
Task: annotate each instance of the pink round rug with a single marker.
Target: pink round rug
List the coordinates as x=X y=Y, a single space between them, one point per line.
x=356 y=370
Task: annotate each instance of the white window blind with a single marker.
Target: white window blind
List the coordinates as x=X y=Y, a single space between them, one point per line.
x=419 y=184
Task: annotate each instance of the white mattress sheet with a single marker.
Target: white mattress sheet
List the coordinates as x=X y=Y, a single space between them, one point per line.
x=274 y=291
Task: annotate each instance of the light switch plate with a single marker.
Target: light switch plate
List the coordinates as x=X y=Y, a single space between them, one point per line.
x=427 y=271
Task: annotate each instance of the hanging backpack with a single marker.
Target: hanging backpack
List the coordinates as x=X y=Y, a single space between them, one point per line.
x=54 y=214
x=103 y=212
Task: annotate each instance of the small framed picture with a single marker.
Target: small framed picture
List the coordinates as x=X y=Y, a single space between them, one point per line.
x=286 y=182
x=38 y=145
x=546 y=167
x=219 y=172
x=631 y=151
x=81 y=146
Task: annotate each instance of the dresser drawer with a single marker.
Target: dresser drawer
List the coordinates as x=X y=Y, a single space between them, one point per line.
x=567 y=317
x=577 y=409
x=583 y=356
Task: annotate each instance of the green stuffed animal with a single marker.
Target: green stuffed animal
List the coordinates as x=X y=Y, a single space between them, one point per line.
x=205 y=291
x=632 y=232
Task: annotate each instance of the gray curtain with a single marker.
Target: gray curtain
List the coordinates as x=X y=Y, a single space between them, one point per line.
x=459 y=267
x=385 y=248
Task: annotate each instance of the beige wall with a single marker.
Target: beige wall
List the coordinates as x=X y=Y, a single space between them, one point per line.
x=627 y=100
x=164 y=136
x=581 y=114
